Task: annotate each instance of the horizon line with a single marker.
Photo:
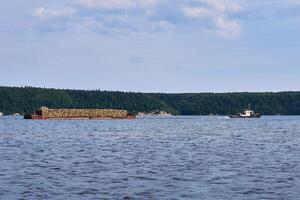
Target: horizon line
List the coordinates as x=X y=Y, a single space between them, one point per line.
x=124 y=91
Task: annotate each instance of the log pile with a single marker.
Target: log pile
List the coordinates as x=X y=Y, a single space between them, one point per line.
x=82 y=113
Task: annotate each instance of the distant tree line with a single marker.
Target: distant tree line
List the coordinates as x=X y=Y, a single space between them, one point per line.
x=27 y=99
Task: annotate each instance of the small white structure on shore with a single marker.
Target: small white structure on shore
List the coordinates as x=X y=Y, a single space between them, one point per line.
x=154 y=113
x=1 y=114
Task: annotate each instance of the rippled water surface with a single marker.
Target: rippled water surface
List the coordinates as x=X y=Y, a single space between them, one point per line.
x=151 y=158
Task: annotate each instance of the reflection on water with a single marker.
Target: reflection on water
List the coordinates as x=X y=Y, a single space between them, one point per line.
x=150 y=158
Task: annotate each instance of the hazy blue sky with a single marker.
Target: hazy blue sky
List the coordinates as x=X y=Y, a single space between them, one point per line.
x=151 y=45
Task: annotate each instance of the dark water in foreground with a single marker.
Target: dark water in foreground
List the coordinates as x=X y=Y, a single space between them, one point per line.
x=151 y=158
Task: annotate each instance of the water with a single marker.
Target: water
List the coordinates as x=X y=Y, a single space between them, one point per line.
x=151 y=158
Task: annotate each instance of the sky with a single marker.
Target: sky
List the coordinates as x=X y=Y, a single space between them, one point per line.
x=169 y=46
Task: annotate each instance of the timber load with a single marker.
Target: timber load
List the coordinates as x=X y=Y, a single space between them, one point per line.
x=45 y=113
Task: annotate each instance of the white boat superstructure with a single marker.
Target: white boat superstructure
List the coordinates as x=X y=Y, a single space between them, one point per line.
x=247 y=113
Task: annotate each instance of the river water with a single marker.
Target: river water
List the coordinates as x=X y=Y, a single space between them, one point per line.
x=151 y=158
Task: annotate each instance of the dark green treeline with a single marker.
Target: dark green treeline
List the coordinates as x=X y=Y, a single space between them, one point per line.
x=28 y=99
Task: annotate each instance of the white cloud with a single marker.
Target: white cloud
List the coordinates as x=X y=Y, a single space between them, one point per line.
x=44 y=13
x=227 y=28
x=117 y=4
x=217 y=12
x=150 y=15
x=195 y=12
x=222 y=5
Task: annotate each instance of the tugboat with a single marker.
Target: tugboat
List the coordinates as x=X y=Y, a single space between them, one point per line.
x=247 y=113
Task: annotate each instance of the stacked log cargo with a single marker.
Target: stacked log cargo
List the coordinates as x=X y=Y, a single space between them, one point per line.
x=45 y=113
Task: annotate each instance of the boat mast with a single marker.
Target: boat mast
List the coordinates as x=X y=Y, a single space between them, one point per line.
x=249 y=106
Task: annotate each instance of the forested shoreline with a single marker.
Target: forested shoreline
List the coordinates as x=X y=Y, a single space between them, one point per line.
x=27 y=99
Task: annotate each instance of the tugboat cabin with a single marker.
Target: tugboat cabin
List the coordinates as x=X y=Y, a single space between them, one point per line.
x=247 y=113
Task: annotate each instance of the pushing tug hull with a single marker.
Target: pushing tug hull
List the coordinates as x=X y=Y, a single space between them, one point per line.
x=257 y=115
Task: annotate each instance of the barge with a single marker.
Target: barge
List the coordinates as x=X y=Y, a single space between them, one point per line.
x=45 y=113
